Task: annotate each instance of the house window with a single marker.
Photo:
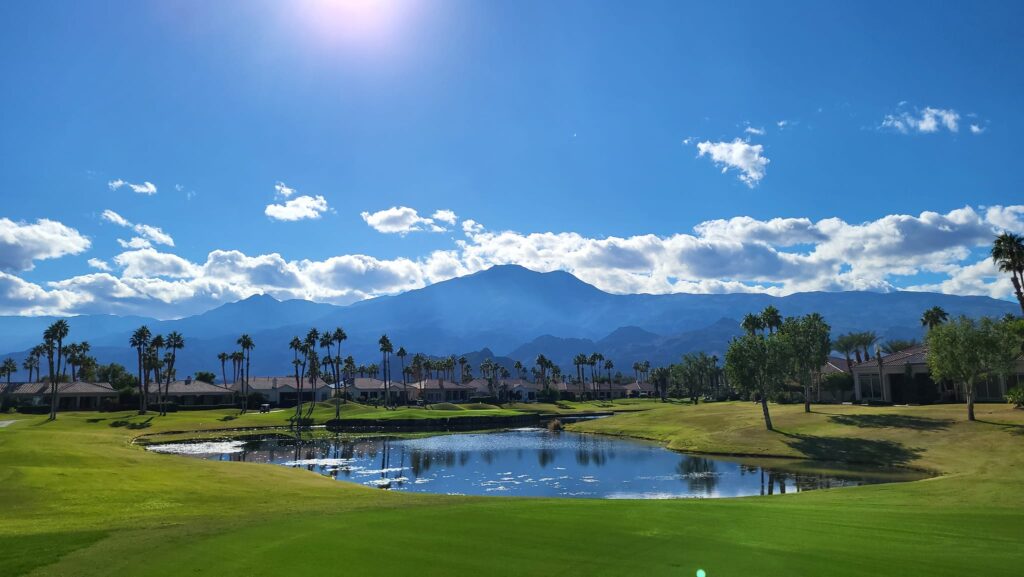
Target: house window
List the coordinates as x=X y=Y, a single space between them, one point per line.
x=870 y=386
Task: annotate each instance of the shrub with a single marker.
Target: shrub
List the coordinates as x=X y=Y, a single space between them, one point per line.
x=1015 y=396
x=555 y=425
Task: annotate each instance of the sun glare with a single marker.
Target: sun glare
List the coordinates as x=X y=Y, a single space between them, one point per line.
x=353 y=23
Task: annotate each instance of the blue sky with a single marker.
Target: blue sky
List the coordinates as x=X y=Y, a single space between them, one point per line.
x=586 y=120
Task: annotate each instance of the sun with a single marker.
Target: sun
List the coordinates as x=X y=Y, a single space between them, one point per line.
x=353 y=23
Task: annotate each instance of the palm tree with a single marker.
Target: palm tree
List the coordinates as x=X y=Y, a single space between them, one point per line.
x=518 y=366
x=140 y=341
x=385 y=352
x=247 y=345
x=401 y=354
x=223 y=358
x=752 y=323
x=155 y=364
x=7 y=369
x=594 y=361
x=1008 y=254
x=771 y=319
x=934 y=317
x=308 y=350
x=174 y=343
x=865 y=340
x=896 y=345
x=608 y=366
x=53 y=337
x=847 y=345
x=339 y=337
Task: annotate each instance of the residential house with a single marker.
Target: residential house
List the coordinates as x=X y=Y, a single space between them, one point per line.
x=75 y=396
x=904 y=377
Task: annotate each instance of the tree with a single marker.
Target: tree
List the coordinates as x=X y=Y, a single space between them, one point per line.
x=752 y=323
x=771 y=319
x=806 y=346
x=754 y=363
x=934 y=317
x=53 y=341
x=386 y=349
x=8 y=368
x=206 y=376
x=223 y=358
x=896 y=345
x=661 y=378
x=865 y=340
x=174 y=343
x=608 y=366
x=401 y=353
x=965 y=350
x=247 y=345
x=339 y=336
x=1008 y=254
x=140 y=342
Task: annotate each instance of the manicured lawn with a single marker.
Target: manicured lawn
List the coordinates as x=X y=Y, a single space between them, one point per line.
x=76 y=498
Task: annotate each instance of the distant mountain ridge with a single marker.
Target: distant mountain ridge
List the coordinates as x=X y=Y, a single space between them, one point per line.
x=510 y=311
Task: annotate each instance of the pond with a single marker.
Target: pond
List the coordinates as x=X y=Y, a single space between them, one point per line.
x=531 y=462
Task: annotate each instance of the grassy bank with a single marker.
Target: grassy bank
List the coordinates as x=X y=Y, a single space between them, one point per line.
x=79 y=499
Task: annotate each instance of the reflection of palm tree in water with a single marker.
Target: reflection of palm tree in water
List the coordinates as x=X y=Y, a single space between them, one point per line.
x=699 y=474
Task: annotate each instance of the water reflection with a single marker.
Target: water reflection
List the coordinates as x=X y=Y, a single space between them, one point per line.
x=525 y=462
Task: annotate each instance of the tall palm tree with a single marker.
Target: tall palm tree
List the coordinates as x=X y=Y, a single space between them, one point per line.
x=594 y=362
x=309 y=351
x=385 y=354
x=53 y=337
x=8 y=368
x=155 y=364
x=401 y=354
x=295 y=345
x=865 y=340
x=223 y=358
x=608 y=366
x=140 y=341
x=174 y=343
x=771 y=318
x=518 y=366
x=339 y=336
x=934 y=317
x=247 y=345
x=847 y=345
x=1008 y=254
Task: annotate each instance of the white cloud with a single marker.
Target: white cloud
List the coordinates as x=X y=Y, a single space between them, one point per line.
x=134 y=243
x=148 y=262
x=99 y=264
x=926 y=121
x=755 y=131
x=154 y=233
x=111 y=216
x=782 y=123
x=1008 y=218
x=739 y=155
x=147 y=234
x=402 y=220
x=742 y=254
x=22 y=243
x=283 y=190
x=147 y=188
x=975 y=129
x=298 y=208
x=445 y=215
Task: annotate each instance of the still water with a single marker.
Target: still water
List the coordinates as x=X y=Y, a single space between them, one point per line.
x=525 y=462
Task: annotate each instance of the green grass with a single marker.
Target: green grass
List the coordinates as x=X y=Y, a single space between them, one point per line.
x=77 y=498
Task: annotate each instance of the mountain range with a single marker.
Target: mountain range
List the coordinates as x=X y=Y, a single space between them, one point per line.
x=507 y=313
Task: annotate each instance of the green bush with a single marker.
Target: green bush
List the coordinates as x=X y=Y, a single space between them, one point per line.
x=1016 y=397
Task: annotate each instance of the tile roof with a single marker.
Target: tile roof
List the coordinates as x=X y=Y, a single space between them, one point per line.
x=191 y=387
x=75 y=388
